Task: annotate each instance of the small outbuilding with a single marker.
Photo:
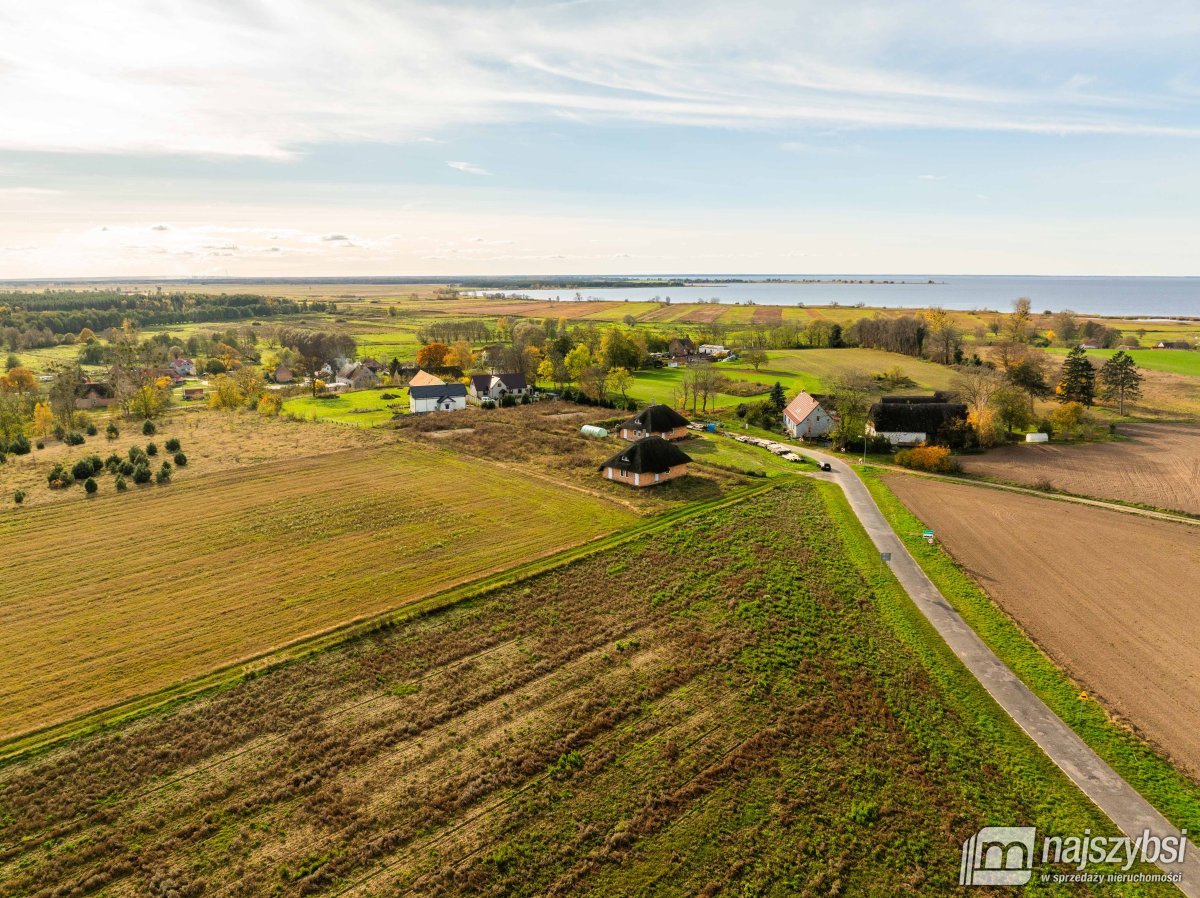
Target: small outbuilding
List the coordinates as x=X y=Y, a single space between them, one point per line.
x=283 y=375
x=805 y=419
x=655 y=420
x=648 y=461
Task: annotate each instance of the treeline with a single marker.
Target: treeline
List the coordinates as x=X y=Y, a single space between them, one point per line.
x=471 y=330
x=34 y=320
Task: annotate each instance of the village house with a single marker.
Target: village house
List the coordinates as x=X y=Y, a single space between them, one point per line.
x=357 y=376
x=655 y=420
x=94 y=395
x=497 y=386
x=373 y=365
x=439 y=397
x=681 y=347
x=805 y=419
x=283 y=375
x=425 y=379
x=647 y=462
x=912 y=420
x=183 y=367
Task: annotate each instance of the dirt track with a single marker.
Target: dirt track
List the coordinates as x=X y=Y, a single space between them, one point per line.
x=1159 y=466
x=1109 y=596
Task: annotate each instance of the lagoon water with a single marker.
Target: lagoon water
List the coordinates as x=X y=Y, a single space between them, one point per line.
x=1145 y=297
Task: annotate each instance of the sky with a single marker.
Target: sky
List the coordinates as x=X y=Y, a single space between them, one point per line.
x=200 y=138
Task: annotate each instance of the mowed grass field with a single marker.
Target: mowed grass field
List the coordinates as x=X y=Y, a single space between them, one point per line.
x=813 y=370
x=741 y=705
x=1172 y=361
x=362 y=408
x=129 y=593
x=1110 y=596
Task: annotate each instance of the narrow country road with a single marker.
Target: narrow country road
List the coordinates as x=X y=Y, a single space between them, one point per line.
x=1115 y=797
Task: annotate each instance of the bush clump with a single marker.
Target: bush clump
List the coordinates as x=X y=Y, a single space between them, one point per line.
x=164 y=474
x=73 y=438
x=20 y=446
x=126 y=468
x=112 y=431
x=91 y=430
x=112 y=464
x=172 y=444
x=60 y=478
x=120 y=484
x=152 y=449
x=141 y=474
x=180 y=460
x=927 y=458
x=148 y=428
x=19 y=496
x=90 y=485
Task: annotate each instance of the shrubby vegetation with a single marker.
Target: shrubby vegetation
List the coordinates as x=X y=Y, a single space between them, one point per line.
x=927 y=458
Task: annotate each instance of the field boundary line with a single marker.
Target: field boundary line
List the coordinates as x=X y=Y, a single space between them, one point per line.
x=1109 y=791
x=25 y=744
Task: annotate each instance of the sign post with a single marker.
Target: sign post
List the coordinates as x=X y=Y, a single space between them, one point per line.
x=884 y=558
x=928 y=534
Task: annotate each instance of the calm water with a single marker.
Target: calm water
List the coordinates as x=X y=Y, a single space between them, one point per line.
x=1135 y=296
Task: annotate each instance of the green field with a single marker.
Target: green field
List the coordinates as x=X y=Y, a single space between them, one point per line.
x=813 y=370
x=741 y=705
x=225 y=567
x=1172 y=361
x=361 y=408
x=723 y=452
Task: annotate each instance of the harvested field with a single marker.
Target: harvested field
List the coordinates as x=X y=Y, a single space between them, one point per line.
x=755 y=723
x=1158 y=465
x=767 y=316
x=140 y=590
x=212 y=441
x=1110 y=596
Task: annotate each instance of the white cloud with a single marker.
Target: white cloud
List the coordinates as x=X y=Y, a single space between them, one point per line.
x=272 y=77
x=469 y=168
x=931 y=177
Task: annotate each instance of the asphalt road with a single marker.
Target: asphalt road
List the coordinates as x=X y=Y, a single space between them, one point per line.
x=1115 y=797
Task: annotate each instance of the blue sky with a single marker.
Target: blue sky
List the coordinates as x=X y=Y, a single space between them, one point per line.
x=182 y=137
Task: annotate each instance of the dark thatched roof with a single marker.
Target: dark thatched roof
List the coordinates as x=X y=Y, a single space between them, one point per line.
x=914 y=417
x=651 y=455
x=656 y=419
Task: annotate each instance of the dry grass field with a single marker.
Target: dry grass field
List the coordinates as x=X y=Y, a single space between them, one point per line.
x=212 y=441
x=124 y=594
x=1109 y=596
x=542 y=439
x=1158 y=465
x=727 y=708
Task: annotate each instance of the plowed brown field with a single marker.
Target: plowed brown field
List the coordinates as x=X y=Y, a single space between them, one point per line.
x=1110 y=596
x=1159 y=466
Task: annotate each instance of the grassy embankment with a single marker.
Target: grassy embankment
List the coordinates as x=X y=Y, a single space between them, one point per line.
x=1174 y=794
